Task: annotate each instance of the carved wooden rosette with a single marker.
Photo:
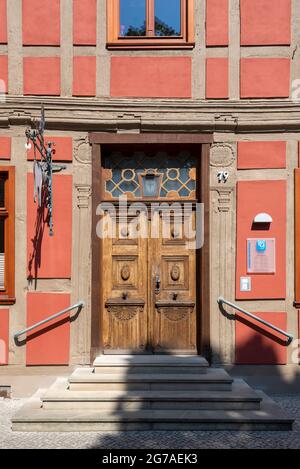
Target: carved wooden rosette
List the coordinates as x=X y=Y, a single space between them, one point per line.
x=124 y=310
x=175 y=311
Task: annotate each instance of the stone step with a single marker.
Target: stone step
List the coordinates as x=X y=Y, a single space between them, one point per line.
x=35 y=419
x=150 y=364
x=242 y=397
x=84 y=379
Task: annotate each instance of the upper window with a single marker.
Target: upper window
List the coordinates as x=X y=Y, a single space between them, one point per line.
x=150 y=24
x=7 y=236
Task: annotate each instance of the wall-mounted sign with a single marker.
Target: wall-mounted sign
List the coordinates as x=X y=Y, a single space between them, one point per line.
x=261 y=255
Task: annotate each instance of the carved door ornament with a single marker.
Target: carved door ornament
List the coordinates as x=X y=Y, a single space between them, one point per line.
x=175 y=313
x=124 y=308
x=175 y=273
x=125 y=272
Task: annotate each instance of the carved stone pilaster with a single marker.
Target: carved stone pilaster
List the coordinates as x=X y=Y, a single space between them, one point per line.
x=83 y=195
x=222 y=242
x=81 y=275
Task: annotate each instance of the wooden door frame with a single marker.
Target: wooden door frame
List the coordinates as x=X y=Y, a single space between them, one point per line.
x=204 y=142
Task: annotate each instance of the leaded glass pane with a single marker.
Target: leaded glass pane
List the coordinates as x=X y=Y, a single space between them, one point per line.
x=155 y=174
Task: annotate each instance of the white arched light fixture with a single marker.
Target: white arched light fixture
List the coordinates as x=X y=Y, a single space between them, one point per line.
x=262 y=218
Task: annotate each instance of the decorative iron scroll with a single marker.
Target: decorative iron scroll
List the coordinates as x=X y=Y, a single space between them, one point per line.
x=43 y=167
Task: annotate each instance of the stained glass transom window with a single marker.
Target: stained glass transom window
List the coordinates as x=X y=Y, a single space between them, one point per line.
x=156 y=174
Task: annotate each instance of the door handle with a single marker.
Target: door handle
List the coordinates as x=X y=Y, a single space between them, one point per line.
x=157 y=284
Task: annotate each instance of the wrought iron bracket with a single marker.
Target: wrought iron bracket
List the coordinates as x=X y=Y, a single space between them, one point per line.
x=43 y=166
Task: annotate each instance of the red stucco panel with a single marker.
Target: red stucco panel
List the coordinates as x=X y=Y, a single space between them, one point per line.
x=261 y=155
x=217 y=22
x=50 y=257
x=153 y=77
x=41 y=76
x=254 y=197
x=63 y=147
x=3 y=22
x=84 y=22
x=41 y=22
x=257 y=344
x=48 y=344
x=4 y=336
x=265 y=22
x=5 y=148
x=265 y=78
x=84 y=76
x=3 y=74
x=217 y=78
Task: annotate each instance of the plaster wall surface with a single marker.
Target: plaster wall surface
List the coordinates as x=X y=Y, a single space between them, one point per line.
x=205 y=104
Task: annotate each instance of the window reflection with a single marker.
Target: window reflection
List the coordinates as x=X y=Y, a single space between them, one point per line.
x=167 y=17
x=132 y=17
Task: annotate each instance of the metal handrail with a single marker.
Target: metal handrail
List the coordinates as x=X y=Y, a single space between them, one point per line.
x=78 y=306
x=290 y=337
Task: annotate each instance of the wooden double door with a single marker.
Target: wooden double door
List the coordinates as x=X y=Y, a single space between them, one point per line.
x=149 y=287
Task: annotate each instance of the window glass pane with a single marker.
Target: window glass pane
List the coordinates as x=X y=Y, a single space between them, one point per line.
x=2 y=192
x=167 y=17
x=132 y=17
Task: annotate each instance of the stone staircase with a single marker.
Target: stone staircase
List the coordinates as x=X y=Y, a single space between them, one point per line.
x=152 y=392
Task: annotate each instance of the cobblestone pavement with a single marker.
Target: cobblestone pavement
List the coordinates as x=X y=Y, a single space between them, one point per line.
x=148 y=440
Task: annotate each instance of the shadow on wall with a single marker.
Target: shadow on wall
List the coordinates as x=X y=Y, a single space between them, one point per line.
x=261 y=356
x=35 y=259
x=257 y=343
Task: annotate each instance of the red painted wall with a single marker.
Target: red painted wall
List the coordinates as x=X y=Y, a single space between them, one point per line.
x=84 y=76
x=3 y=22
x=261 y=155
x=84 y=22
x=217 y=78
x=48 y=344
x=265 y=22
x=254 y=197
x=217 y=22
x=153 y=77
x=41 y=76
x=3 y=74
x=265 y=78
x=63 y=149
x=5 y=148
x=257 y=344
x=41 y=22
x=50 y=257
x=4 y=336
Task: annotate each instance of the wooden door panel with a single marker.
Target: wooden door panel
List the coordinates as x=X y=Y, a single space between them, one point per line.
x=174 y=329
x=125 y=306
x=174 y=305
